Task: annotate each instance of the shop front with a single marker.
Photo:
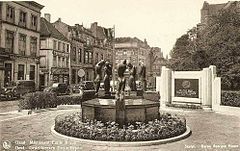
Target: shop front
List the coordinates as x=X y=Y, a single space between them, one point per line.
x=59 y=75
x=4 y=56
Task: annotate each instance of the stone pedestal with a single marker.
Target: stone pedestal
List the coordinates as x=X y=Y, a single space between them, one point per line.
x=120 y=112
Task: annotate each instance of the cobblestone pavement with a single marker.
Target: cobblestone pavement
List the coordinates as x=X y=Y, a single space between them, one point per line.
x=8 y=106
x=210 y=131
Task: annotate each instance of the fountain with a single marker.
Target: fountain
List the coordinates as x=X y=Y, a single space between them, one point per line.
x=122 y=118
x=126 y=106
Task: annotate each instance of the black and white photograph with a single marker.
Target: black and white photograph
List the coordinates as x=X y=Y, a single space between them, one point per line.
x=120 y=75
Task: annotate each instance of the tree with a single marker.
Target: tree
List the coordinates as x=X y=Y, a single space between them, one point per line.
x=217 y=44
x=186 y=55
x=221 y=41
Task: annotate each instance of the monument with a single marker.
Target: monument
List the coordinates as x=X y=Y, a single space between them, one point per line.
x=120 y=109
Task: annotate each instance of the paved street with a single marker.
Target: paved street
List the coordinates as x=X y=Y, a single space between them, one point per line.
x=8 y=106
x=210 y=131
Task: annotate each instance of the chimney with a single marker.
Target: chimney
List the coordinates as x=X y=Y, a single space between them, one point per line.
x=47 y=16
x=59 y=20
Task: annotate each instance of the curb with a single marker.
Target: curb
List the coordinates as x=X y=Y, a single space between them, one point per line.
x=68 y=107
x=122 y=144
x=59 y=107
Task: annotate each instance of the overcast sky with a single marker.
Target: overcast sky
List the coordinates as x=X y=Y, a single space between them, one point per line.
x=161 y=22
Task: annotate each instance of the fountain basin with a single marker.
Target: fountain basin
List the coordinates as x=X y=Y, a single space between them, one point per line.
x=136 y=110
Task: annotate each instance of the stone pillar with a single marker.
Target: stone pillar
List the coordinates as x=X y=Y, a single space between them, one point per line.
x=213 y=73
x=158 y=83
x=216 y=95
x=207 y=87
x=120 y=110
x=165 y=87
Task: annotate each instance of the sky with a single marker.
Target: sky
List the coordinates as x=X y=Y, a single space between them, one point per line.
x=161 y=22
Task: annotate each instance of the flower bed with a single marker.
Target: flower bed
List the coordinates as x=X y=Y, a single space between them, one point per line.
x=165 y=127
x=230 y=98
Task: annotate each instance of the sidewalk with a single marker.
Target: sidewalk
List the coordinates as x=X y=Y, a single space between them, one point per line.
x=210 y=131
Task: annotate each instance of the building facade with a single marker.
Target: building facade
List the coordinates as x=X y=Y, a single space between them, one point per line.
x=103 y=45
x=155 y=61
x=132 y=49
x=54 y=55
x=136 y=51
x=20 y=38
x=81 y=55
x=88 y=46
x=209 y=10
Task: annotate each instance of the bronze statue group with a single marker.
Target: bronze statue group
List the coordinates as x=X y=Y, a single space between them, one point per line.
x=121 y=69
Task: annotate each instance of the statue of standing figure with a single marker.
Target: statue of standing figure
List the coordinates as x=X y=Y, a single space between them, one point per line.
x=142 y=76
x=121 y=68
x=106 y=79
x=98 y=71
x=132 y=77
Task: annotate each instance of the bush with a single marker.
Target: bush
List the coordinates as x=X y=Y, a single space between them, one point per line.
x=230 y=98
x=69 y=100
x=165 y=127
x=38 y=100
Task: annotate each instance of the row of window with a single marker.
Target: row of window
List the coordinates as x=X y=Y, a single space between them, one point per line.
x=60 y=61
x=61 y=46
x=126 y=52
x=21 y=75
x=22 y=43
x=10 y=17
x=97 y=59
x=88 y=57
x=76 y=54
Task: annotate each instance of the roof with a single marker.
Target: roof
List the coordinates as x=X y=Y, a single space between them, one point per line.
x=127 y=39
x=214 y=8
x=35 y=4
x=104 y=33
x=100 y=33
x=48 y=30
x=82 y=29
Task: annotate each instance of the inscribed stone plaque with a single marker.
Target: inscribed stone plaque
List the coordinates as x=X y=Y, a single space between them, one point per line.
x=186 y=88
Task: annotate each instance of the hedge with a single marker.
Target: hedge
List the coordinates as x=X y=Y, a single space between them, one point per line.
x=41 y=100
x=165 y=127
x=230 y=98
